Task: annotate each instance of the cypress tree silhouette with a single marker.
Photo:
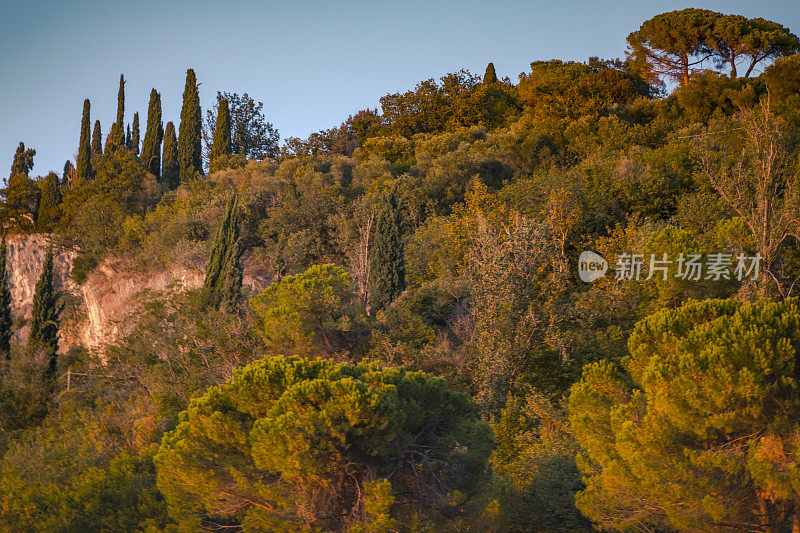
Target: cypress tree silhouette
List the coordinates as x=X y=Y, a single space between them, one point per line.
x=222 y=133
x=170 y=172
x=45 y=315
x=151 y=148
x=134 y=144
x=189 y=143
x=97 y=139
x=83 y=171
x=489 y=76
x=223 y=283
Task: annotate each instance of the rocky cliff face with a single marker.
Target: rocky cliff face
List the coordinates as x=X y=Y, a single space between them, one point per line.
x=107 y=298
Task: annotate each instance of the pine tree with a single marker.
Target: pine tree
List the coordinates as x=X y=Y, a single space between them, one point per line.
x=6 y=319
x=170 y=172
x=151 y=148
x=23 y=160
x=134 y=144
x=489 y=76
x=222 y=133
x=48 y=212
x=83 y=172
x=189 y=142
x=387 y=265
x=97 y=139
x=223 y=284
x=45 y=315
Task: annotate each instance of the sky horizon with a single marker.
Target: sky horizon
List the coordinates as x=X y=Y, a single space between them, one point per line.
x=311 y=63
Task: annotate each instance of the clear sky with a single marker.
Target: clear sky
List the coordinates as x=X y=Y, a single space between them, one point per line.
x=311 y=63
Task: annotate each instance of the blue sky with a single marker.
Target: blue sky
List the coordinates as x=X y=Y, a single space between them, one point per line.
x=311 y=63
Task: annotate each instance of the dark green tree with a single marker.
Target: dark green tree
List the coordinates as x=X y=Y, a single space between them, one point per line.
x=97 y=139
x=48 y=212
x=189 y=135
x=387 y=264
x=45 y=315
x=170 y=172
x=223 y=283
x=68 y=174
x=83 y=171
x=117 y=136
x=135 y=134
x=222 y=134
x=6 y=319
x=22 y=195
x=128 y=141
x=490 y=76
x=251 y=135
x=151 y=148
x=23 y=160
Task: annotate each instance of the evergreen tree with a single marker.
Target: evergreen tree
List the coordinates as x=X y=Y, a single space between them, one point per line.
x=45 y=315
x=83 y=172
x=134 y=144
x=489 y=76
x=6 y=319
x=97 y=139
x=223 y=283
x=151 y=149
x=69 y=173
x=190 y=129
x=22 y=194
x=48 y=212
x=23 y=160
x=117 y=136
x=222 y=133
x=128 y=140
x=387 y=265
x=170 y=171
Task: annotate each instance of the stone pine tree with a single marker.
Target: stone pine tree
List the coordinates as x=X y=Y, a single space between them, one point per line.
x=490 y=76
x=97 y=139
x=221 y=147
x=151 y=148
x=387 y=265
x=48 y=212
x=170 y=171
x=6 y=319
x=83 y=170
x=190 y=129
x=223 y=284
x=134 y=144
x=45 y=315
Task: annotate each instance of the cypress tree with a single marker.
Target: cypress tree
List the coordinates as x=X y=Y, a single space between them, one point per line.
x=134 y=144
x=387 y=265
x=48 y=212
x=83 y=172
x=117 y=136
x=223 y=283
x=222 y=133
x=490 y=76
x=97 y=139
x=69 y=173
x=151 y=148
x=6 y=319
x=170 y=172
x=189 y=144
x=45 y=315
x=23 y=160
x=128 y=142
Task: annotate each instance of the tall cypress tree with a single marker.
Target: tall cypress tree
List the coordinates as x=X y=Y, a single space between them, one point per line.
x=97 y=139
x=222 y=133
x=45 y=315
x=134 y=144
x=223 y=283
x=48 y=212
x=23 y=160
x=170 y=172
x=117 y=136
x=6 y=319
x=189 y=143
x=83 y=171
x=387 y=265
x=489 y=76
x=68 y=176
x=151 y=148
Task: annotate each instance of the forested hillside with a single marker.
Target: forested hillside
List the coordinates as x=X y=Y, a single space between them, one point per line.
x=425 y=355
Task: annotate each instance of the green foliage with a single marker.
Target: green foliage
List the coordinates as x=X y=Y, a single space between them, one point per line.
x=97 y=139
x=23 y=160
x=489 y=76
x=6 y=318
x=21 y=202
x=170 y=173
x=83 y=169
x=251 y=136
x=289 y=444
x=45 y=315
x=223 y=282
x=691 y=431
x=48 y=211
x=134 y=142
x=190 y=160
x=222 y=135
x=151 y=148
x=314 y=313
x=387 y=264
